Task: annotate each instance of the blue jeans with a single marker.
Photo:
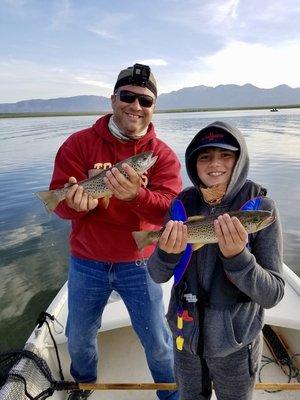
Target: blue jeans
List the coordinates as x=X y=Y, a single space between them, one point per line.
x=90 y=284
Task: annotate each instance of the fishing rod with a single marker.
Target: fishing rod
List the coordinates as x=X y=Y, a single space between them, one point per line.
x=172 y=386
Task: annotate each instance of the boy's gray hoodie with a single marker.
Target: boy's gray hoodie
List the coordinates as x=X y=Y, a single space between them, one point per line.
x=231 y=293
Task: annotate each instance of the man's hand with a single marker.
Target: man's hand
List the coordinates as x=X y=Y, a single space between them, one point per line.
x=174 y=237
x=78 y=199
x=231 y=234
x=121 y=187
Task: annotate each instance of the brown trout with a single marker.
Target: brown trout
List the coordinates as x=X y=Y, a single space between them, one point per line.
x=95 y=185
x=201 y=229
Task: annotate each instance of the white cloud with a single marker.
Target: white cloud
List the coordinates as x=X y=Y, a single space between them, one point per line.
x=277 y=12
x=110 y=24
x=154 y=61
x=236 y=63
x=38 y=81
x=91 y=82
x=240 y=63
x=103 y=33
x=62 y=15
x=258 y=64
x=228 y=9
x=213 y=16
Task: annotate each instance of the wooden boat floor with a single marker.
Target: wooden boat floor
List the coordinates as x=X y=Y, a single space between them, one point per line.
x=121 y=359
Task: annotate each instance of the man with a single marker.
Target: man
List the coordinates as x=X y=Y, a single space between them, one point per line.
x=104 y=256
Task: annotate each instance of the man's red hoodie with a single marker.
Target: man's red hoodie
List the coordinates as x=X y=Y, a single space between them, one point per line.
x=104 y=234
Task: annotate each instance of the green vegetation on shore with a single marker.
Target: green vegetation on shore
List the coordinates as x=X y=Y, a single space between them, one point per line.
x=175 y=110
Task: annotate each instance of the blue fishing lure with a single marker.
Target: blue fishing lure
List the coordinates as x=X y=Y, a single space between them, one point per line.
x=178 y=213
x=252 y=204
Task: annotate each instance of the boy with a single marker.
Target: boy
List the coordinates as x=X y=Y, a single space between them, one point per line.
x=226 y=285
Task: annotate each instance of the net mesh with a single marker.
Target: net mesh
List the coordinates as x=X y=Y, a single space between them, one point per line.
x=24 y=375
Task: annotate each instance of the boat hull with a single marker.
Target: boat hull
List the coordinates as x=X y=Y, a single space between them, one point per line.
x=119 y=343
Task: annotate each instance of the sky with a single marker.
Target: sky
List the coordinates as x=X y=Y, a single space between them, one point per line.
x=63 y=48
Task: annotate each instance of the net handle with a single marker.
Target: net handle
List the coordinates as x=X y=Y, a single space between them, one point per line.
x=172 y=386
x=127 y=386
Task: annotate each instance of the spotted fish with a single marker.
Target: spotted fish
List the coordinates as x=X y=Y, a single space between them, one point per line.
x=95 y=185
x=201 y=229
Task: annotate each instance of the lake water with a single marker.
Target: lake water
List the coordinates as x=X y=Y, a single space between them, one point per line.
x=34 y=245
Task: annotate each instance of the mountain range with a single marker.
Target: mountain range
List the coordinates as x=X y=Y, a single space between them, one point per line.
x=222 y=96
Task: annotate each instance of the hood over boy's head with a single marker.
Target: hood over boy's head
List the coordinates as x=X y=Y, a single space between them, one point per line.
x=223 y=135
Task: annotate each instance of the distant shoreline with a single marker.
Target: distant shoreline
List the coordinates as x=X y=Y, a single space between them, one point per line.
x=175 y=110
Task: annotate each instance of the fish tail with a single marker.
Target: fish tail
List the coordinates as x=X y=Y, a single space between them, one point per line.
x=49 y=198
x=143 y=238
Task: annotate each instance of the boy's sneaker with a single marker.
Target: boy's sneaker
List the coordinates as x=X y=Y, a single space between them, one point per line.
x=79 y=394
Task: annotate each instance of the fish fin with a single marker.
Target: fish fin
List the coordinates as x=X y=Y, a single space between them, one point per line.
x=105 y=201
x=196 y=218
x=181 y=266
x=196 y=246
x=142 y=238
x=49 y=198
x=252 y=204
x=178 y=212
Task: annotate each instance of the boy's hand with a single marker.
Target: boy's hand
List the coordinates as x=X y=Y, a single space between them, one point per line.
x=78 y=199
x=174 y=237
x=231 y=234
x=121 y=187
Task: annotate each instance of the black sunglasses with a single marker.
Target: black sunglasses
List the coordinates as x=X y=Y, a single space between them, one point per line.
x=129 y=97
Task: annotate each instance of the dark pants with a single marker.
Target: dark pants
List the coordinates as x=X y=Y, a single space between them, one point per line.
x=233 y=376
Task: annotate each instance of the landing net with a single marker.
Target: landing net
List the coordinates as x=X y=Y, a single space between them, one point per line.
x=24 y=375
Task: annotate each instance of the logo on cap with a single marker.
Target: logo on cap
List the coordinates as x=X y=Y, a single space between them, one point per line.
x=212 y=137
